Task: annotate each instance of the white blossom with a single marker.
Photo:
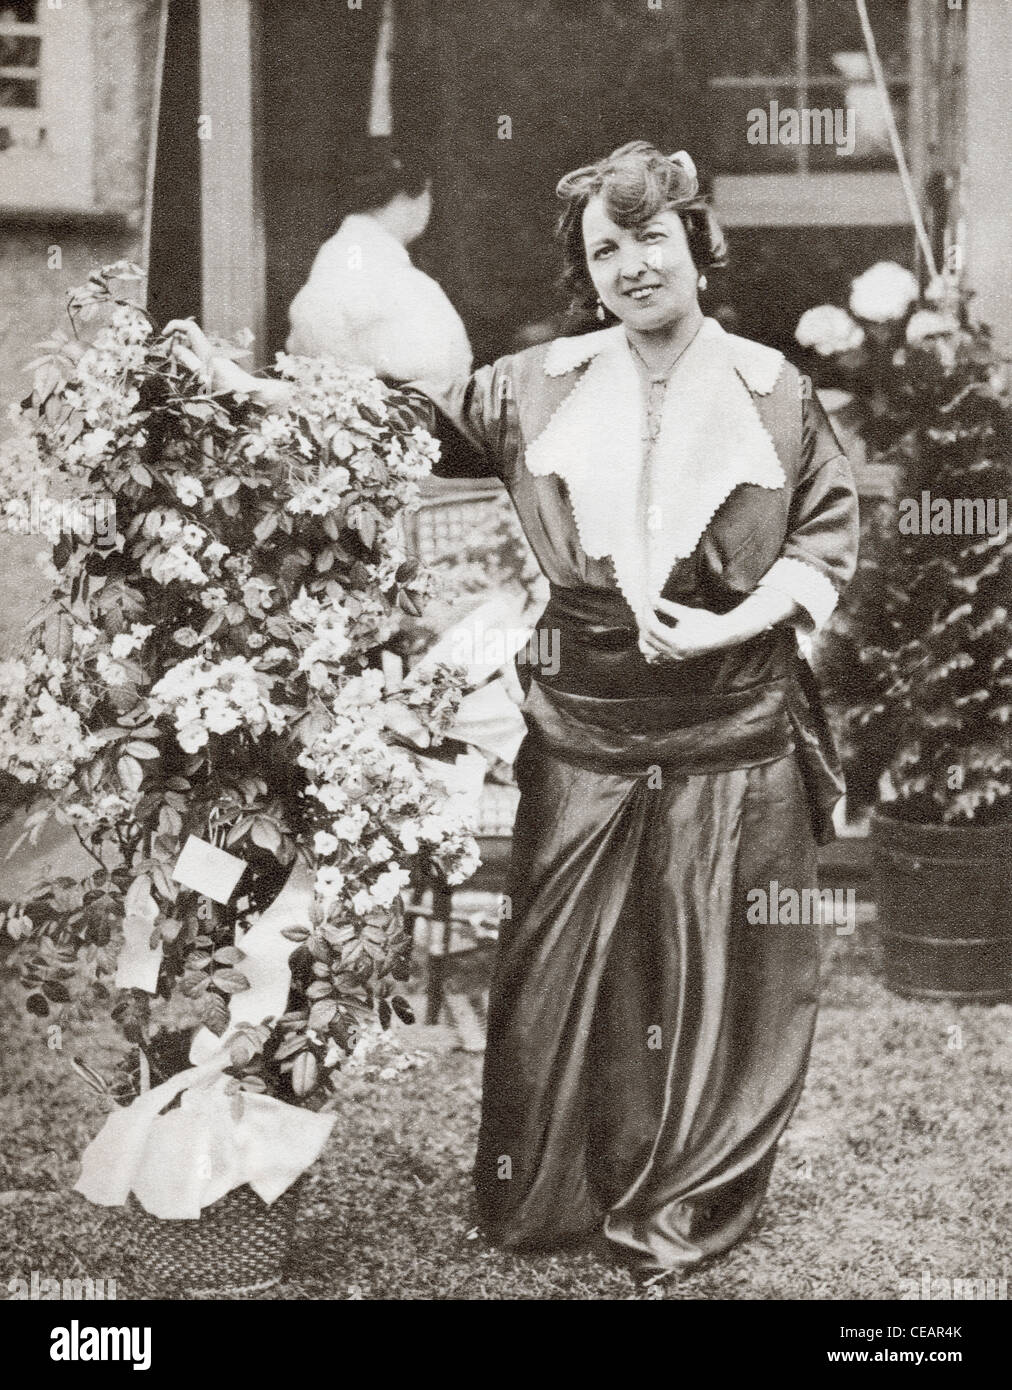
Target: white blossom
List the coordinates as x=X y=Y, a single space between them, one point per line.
x=883 y=293
x=829 y=330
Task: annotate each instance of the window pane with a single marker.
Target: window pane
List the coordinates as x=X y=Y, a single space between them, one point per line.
x=18 y=52
x=836 y=45
x=745 y=38
x=19 y=12
x=728 y=110
x=19 y=92
x=857 y=124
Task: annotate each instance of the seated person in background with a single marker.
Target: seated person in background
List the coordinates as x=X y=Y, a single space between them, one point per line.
x=364 y=303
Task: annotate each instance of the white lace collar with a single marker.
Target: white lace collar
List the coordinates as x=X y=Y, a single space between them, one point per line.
x=712 y=439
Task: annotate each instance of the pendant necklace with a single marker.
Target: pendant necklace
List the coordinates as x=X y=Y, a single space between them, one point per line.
x=664 y=372
x=656 y=387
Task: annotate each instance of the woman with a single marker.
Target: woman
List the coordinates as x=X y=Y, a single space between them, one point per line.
x=364 y=302
x=693 y=511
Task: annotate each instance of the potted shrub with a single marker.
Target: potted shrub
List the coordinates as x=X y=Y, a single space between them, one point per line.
x=227 y=730
x=928 y=630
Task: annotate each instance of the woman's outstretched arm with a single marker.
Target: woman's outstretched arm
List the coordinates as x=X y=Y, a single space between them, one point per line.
x=471 y=417
x=221 y=372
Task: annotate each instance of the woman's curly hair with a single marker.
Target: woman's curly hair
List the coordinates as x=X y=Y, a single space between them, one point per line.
x=636 y=181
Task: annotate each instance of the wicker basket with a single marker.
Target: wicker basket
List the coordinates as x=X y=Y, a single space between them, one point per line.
x=239 y=1245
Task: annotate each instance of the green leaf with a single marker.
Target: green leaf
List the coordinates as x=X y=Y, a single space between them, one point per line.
x=304 y=1074
x=225 y=487
x=321 y=1013
x=402 y=1009
x=242 y=1050
x=266 y=834
x=163 y=881
x=141 y=750
x=169 y=928
x=131 y=774
x=238 y=831
x=170 y=822
x=290 y=1047
x=266 y=526
x=230 y=981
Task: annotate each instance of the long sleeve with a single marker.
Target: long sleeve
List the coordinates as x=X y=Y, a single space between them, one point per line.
x=475 y=420
x=819 y=555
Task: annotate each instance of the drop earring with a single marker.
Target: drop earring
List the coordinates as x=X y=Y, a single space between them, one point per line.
x=701 y=282
x=600 y=311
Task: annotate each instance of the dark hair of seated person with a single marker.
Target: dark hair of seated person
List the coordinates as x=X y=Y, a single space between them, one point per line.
x=379 y=173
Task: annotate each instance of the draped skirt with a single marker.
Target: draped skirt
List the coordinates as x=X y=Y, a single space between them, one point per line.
x=647 y=1042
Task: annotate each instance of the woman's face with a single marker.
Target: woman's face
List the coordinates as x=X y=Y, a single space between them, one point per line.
x=644 y=275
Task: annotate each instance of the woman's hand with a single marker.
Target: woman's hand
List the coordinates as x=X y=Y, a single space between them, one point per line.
x=191 y=346
x=221 y=373
x=696 y=631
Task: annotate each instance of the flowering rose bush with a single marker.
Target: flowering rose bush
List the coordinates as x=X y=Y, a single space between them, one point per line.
x=224 y=671
x=883 y=293
x=922 y=657
x=829 y=329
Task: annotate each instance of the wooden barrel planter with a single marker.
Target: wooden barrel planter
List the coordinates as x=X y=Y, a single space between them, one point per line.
x=945 y=909
x=237 y=1246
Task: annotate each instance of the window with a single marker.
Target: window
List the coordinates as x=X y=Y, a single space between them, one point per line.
x=791 y=97
x=45 y=105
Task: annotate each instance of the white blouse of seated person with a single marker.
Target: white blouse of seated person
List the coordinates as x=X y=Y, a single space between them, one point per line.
x=365 y=303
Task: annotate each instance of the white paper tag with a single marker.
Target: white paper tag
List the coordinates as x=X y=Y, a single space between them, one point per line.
x=208 y=869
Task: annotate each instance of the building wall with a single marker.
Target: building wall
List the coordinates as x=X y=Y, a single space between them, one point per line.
x=988 y=186
x=75 y=129
x=124 y=49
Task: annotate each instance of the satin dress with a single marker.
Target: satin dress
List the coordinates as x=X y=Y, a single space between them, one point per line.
x=646 y=1045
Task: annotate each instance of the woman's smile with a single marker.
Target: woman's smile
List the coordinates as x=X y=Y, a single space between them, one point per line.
x=645 y=273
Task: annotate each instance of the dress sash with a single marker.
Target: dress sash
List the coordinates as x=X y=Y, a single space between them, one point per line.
x=600 y=704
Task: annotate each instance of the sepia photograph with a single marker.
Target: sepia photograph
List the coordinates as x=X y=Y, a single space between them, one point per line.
x=506 y=667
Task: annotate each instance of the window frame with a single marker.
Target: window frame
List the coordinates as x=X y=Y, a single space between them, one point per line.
x=800 y=197
x=56 y=174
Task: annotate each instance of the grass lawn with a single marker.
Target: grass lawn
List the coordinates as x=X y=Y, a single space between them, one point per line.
x=896 y=1162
